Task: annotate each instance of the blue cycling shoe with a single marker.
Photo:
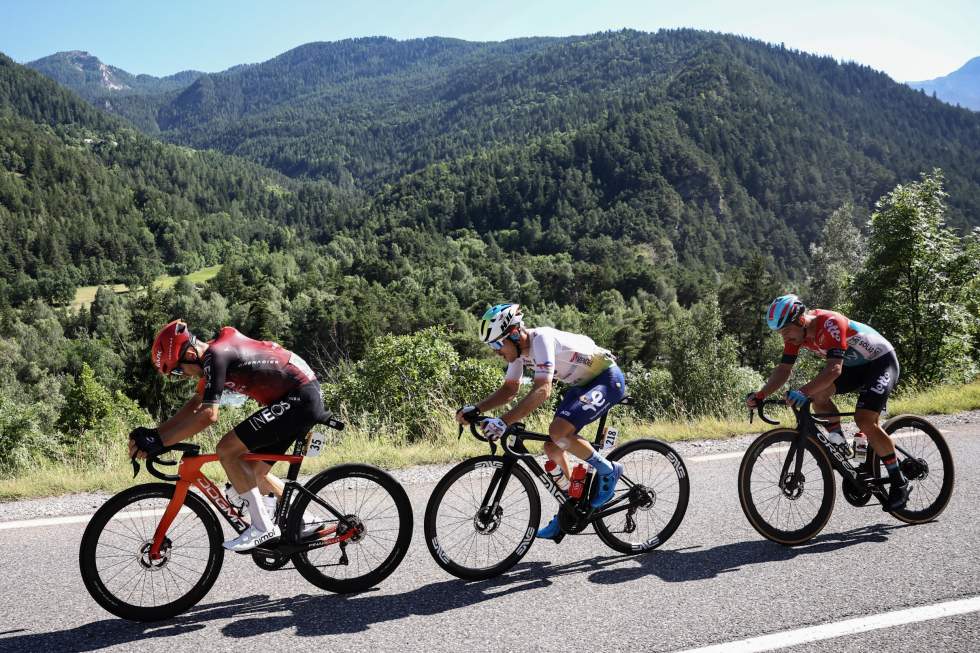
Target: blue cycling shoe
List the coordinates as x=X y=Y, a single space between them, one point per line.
x=552 y=531
x=607 y=486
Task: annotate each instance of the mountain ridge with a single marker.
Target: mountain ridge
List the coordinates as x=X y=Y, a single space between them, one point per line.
x=89 y=76
x=961 y=87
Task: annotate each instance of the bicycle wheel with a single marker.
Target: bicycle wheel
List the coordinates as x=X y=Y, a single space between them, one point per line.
x=115 y=564
x=926 y=461
x=657 y=487
x=468 y=539
x=798 y=511
x=379 y=506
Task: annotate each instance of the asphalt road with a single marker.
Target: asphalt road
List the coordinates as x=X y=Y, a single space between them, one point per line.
x=715 y=581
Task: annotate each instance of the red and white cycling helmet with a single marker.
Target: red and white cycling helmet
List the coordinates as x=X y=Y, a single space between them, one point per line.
x=784 y=310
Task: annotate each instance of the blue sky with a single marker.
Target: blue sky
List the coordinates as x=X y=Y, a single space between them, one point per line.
x=909 y=40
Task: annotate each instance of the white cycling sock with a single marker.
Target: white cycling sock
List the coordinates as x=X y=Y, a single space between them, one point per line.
x=256 y=510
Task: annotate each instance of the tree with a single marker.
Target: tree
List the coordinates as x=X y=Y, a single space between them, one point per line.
x=744 y=300
x=835 y=260
x=914 y=285
x=703 y=364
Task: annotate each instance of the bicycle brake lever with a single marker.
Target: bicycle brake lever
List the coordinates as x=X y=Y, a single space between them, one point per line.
x=136 y=466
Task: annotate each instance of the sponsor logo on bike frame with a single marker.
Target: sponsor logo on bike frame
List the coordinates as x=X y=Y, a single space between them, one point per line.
x=217 y=497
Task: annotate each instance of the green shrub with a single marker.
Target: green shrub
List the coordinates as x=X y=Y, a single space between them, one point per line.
x=23 y=440
x=473 y=380
x=703 y=363
x=651 y=391
x=404 y=384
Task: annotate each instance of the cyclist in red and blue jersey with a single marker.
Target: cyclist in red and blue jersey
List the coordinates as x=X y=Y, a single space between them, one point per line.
x=859 y=359
x=274 y=377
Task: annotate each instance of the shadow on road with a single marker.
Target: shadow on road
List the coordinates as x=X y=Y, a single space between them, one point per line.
x=328 y=614
x=695 y=563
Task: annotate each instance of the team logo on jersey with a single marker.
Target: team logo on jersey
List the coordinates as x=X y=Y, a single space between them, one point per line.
x=831 y=328
x=593 y=400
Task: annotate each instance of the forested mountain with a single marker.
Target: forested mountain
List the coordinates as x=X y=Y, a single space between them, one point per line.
x=797 y=134
x=85 y=199
x=961 y=87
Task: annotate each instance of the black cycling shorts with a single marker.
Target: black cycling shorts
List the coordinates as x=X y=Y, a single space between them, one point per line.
x=276 y=427
x=873 y=381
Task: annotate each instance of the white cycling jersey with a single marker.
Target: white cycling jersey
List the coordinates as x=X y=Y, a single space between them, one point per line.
x=573 y=358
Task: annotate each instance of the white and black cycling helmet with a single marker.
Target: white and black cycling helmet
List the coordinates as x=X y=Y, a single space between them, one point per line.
x=499 y=321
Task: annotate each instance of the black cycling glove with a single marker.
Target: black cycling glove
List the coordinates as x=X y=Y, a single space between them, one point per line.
x=147 y=440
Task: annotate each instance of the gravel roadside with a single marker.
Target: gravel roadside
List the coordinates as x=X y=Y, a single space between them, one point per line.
x=87 y=503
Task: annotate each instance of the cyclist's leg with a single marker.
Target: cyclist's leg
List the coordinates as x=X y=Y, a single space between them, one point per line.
x=580 y=407
x=881 y=377
x=557 y=455
x=564 y=437
x=823 y=403
x=230 y=450
x=268 y=430
x=267 y=481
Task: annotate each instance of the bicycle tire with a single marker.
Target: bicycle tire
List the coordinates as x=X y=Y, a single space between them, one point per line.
x=139 y=536
x=762 y=522
x=352 y=499
x=935 y=508
x=438 y=520
x=666 y=457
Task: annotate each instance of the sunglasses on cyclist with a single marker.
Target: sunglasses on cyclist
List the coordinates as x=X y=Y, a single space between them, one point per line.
x=179 y=370
x=496 y=345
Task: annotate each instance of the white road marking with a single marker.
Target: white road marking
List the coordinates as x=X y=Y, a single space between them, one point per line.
x=846 y=627
x=75 y=519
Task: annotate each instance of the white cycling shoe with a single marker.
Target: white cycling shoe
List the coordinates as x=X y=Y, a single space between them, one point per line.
x=251 y=538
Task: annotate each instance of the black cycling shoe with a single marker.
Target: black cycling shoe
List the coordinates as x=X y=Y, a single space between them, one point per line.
x=898 y=495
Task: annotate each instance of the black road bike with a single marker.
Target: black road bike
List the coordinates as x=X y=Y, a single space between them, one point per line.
x=483 y=515
x=786 y=480
x=155 y=550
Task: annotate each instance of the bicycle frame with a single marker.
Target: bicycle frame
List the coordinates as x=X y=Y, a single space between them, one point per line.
x=806 y=424
x=515 y=452
x=189 y=474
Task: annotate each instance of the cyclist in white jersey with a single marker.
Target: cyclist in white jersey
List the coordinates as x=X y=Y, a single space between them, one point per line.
x=596 y=384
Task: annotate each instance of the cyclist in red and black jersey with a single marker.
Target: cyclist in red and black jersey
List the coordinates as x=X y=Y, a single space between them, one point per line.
x=276 y=378
x=859 y=359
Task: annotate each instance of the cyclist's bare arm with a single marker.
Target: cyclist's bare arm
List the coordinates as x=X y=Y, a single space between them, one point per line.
x=825 y=379
x=779 y=376
x=537 y=396
x=192 y=418
x=501 y=396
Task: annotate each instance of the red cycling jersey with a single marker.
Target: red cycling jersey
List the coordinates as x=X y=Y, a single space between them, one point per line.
x=835 y=336
x=259 y=369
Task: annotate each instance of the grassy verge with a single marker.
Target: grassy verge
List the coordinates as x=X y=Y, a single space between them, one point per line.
x=358 y=446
